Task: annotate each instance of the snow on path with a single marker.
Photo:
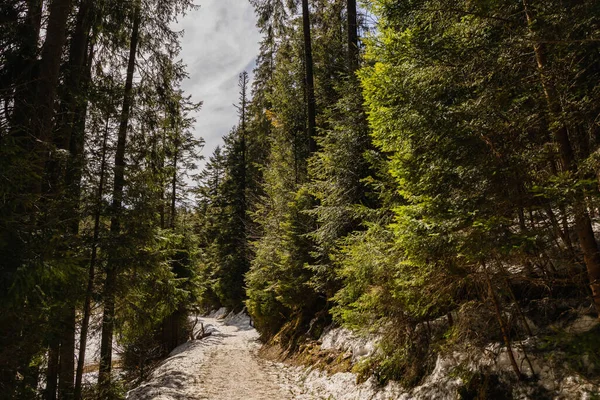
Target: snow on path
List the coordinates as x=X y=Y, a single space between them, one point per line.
x=224 y=365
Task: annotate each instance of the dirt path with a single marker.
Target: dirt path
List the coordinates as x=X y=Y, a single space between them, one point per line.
x=223 y=366
x=233 y=371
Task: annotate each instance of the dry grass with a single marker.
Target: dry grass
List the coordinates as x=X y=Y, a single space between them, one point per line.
x=310 y=354
x=96 y=367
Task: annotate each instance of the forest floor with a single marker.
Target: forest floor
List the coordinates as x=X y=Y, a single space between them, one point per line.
x=224 y=365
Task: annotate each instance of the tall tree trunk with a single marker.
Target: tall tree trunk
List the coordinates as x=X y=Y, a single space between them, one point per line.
x=309 y=79
x=243 y=143
x=52 y=371
x=170 y=324
x=41 y=128
x=174 y=186
x=72 y=102
x=158 y=164
x=583 y=223
x=22 y=82
x=353 y=54
x=106 y=345
x=25 y=70
x=42 y=124
x=85 y=323
x=67 y=355
x=76 y=72
x=70 y=135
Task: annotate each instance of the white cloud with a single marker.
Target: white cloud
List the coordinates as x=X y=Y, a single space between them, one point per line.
x=221 y=41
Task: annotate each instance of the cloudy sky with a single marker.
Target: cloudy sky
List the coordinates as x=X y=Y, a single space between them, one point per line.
x=220 y=42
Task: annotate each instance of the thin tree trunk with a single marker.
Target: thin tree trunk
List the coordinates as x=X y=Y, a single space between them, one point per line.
x=519 y=309
x=52 y=371
x=523 y=319
x=565 y=232
x=170 y=327
x=174 y=187
x=353 y=53
x=243 y=178
x=243 y=143
x=583 y=224
x=160 y=159
x=503 y=328
x=106 y=345
x=309 y=79
x=85 y=323
x=67 y=355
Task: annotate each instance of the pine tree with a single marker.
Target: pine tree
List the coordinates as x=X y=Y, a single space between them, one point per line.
x=224 y=206
x=56 y=121
x=108 y=316
x=277 y=290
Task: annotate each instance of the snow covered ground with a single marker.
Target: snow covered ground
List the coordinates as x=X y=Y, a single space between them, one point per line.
x=224 y=365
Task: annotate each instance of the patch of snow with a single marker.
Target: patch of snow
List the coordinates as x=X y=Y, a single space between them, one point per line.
x=241 y=320
x=175 y=377
x=343 y=340
x=225 y=365
x=218 y=314
x=310 y=383
x=444 y=381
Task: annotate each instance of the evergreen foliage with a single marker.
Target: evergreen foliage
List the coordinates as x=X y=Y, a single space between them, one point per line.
x=426 y=170
x=64 y=99
x=470 y=186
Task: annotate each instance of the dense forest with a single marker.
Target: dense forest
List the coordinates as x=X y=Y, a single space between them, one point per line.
x=427 y=170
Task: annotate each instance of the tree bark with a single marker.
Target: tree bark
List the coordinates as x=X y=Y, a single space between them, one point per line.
x=67 y=355
x=24 y=73
x=106 y=345
x=41 y=128
x=52 y=371
x=70 y=135
x=158 y=165
x=85 y=323
x=309 y=80
x=76 y=71
x=243 y=177
x=353 y=53
x=174 y=186
x=42 y=124
x=243 y=84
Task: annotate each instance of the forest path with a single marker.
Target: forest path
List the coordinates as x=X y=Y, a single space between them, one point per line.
x=224 y=365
